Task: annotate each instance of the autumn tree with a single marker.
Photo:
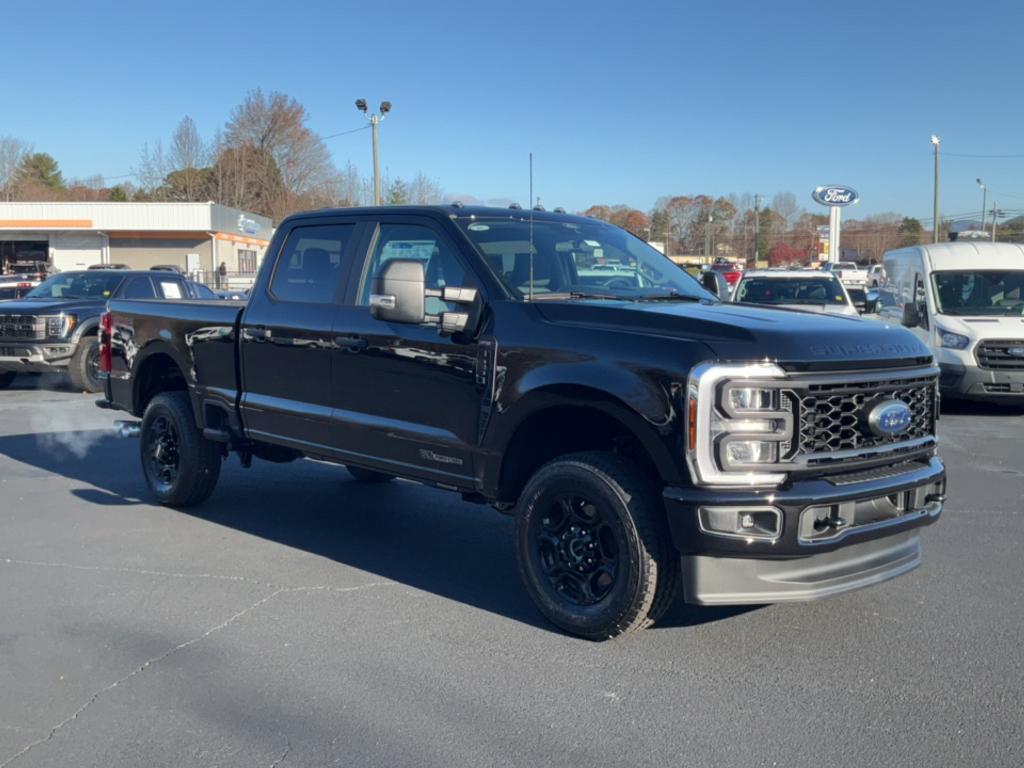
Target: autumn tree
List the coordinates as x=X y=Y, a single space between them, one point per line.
x=910 y=230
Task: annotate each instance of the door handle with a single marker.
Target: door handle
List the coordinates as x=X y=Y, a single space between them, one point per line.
x=354 y=343
x=257 y=334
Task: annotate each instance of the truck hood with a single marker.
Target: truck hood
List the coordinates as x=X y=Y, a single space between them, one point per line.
x=981 y=327
x=51 y=306
x=801 y=340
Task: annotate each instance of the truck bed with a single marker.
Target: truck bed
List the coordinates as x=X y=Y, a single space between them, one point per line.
x=200 y=337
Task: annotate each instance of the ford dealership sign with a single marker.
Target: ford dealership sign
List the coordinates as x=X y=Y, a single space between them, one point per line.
x=834 y=195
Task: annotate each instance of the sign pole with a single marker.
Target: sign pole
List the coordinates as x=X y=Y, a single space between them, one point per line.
x=833 y=233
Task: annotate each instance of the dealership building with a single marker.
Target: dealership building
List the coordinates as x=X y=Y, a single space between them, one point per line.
x=195 y=237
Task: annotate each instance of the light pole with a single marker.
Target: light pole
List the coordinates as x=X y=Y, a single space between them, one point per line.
x=995 y=218
x=984 y=201
x=375 y=119
x=757 y=229
x=707 y=237
x=936 y=224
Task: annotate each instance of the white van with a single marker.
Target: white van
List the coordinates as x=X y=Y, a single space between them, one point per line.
x=966 y=301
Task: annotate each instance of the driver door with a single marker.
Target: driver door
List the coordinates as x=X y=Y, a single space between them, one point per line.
x=405 y=398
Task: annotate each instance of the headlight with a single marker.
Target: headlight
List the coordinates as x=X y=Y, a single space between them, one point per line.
x=952 y=340
x=59 y=327
x=740 y=424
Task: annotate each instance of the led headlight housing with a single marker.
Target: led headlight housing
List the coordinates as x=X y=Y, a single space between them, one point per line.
x=740 y=425
x=60 y=326
x=952 y=340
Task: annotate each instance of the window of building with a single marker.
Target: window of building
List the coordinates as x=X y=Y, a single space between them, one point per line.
x=311 y=264
x=246 y=262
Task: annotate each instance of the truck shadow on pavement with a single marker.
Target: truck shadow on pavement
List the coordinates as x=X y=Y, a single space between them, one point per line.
x=418 y=536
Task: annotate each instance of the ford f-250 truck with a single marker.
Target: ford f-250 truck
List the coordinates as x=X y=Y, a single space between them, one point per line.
x=647 y=437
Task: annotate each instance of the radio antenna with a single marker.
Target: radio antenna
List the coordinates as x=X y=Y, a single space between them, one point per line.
x=530 y=203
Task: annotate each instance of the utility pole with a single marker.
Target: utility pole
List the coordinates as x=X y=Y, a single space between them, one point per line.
x=984 y=202
x=707 y=237
x=995 y=218
x=757 y=229
x=375 y=120
x=936 y=223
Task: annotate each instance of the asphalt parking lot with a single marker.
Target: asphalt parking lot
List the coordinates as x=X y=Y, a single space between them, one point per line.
x=300 y=618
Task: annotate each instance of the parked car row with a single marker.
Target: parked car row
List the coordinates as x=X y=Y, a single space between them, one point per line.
x=54 y=326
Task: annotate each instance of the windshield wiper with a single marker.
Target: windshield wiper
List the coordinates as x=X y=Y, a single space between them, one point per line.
x=673 y=296
x=585 y=295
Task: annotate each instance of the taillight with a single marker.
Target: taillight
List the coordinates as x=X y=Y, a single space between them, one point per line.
x=106 y=331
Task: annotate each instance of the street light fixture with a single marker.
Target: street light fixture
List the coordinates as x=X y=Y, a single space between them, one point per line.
x=984 y=201
x=936 y=223
x=375 y=118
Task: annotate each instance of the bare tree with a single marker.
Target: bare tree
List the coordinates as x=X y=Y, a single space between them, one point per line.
x=152 y=168
x=425 y=191
x=286 y=149
x=785 y=205
x=188 y=158
x=13 y=153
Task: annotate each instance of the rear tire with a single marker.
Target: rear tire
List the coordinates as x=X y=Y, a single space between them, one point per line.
x=593 y=546
x=7 y=378
x=84 y=368
x=181 y=467
x=368 y=475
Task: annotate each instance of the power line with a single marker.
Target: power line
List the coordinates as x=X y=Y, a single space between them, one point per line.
x=345 y=133
x=999 y=157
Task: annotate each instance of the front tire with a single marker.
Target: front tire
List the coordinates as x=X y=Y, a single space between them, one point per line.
x=7 y=378
x=181 y=467
x=593 y=546
x=84 y=368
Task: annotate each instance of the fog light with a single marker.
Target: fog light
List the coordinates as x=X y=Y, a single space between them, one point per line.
x=743 y=523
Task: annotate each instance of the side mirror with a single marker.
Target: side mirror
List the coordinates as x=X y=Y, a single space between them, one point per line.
x=710 y=283
x=399 y=292
x=873 y=300
x=911 y=317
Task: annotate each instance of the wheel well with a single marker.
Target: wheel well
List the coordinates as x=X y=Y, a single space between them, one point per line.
x=559 y=430
x=158 y=373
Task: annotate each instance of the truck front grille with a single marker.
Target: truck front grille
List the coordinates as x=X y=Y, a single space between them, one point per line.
x=832 y=415
x=22 y=327
x=995 y=353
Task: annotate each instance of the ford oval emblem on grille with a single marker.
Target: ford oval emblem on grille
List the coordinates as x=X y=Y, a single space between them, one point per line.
x=889 y=417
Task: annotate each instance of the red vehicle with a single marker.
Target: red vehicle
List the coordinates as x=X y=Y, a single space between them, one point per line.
x=731 y=272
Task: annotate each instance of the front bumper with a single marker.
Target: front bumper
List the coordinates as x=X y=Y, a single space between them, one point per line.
x=35 y=357
x=969 y=381
x=836 y=534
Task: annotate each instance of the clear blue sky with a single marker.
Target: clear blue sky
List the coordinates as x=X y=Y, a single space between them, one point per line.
x=620 y=102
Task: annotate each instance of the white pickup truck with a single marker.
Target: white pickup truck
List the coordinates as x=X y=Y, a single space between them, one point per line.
x=848 y=272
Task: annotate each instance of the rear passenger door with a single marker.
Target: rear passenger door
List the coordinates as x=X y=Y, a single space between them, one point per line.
x=287 y=339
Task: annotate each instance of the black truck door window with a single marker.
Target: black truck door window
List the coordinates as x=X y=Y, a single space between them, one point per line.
x=287 y=337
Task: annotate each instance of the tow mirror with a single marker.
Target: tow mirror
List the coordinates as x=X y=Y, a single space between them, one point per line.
x=398 y=293
x=710 y=283
x=911 y=317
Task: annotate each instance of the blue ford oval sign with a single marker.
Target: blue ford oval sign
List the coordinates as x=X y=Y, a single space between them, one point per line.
x=835 y=195
x=890 y=417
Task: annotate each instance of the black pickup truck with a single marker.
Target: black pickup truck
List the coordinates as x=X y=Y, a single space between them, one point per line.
x=54 y=327
x=647 y=437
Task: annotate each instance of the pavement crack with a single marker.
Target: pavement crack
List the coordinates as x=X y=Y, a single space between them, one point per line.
x=140 y=669
x=287 y=749
x=136 y=571
x=181 y=646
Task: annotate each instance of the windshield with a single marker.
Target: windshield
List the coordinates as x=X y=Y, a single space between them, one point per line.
x=581 y=259
x=791 y=290
x=979 y=292
x=77 y=285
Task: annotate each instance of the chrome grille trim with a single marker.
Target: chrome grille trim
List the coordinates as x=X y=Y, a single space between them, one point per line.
x=993 y=354
x=22 y=327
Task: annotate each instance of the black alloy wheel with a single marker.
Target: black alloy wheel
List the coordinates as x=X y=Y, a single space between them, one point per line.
x=181 y=467
x=593 y=545
x=163 y=457
x=577 y=548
